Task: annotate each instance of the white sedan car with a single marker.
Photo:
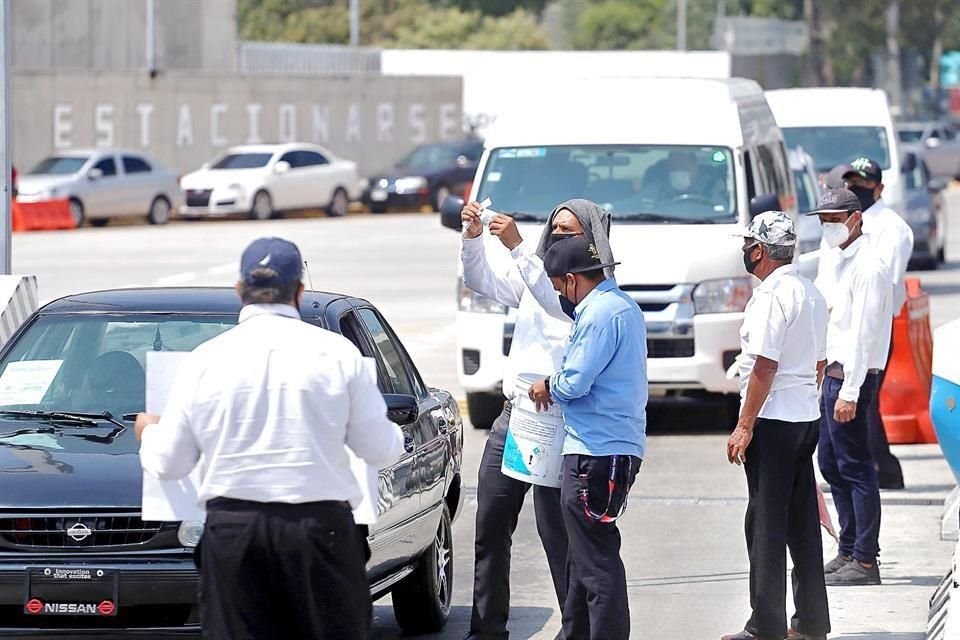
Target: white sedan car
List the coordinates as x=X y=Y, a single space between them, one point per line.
x=263 y=180
x=102 y=184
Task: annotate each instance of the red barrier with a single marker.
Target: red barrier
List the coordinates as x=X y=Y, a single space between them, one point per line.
x=42 y=216
x=905 y=396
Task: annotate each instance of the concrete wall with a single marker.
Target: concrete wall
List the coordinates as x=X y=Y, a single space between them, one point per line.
x=185 y=119
x=110 y=35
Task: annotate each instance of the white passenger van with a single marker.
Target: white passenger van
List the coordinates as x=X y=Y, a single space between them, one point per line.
x=836 y=125
x=678 y=163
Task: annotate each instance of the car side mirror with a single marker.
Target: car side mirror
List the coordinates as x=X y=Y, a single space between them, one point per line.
x=450 y=210
x=463 y=161
x=94 y=174
x=763 y=202
x=281 y=167
x=909 y=163
x=936 y=184
x=402 y=409
x=205 y=166
x=932 y=142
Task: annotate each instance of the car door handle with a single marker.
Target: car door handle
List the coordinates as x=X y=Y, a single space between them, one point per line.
x=409 y=444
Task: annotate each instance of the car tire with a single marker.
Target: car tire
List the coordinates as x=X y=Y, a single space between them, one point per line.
x=484 y=409
x=262 y=207
x=379 y=207
x=77 y=212
x=160 y=210
x=100 y=222
x=421 y=601
x=439 y=195
x=339 y=203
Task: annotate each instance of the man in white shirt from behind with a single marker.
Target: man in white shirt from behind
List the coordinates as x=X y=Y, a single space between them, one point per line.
x=269 y=409
x=858 y=341
x=514 y=276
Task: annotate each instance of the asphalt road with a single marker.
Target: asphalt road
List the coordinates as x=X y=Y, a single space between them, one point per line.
x=683 y=541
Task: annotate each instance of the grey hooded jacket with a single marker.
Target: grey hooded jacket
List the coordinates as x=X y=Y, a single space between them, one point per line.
x=596 y=227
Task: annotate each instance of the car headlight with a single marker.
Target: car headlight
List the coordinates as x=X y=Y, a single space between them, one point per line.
x=728 y=295
x=411 y=184
x=189 y=533
x=469 y=300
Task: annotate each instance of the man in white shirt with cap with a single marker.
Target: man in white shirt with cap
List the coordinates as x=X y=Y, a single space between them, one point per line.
x=267 y=411
x=858 y=292
x=783 y=355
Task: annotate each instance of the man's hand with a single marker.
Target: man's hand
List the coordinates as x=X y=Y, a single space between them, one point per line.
x=505 y=228
x=144 y=419
x=844 y=410
x=470 y=216
x=540 y=396
x=738 y=443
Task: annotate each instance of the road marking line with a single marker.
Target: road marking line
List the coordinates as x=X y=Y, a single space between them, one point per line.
x=175 y=279
x=223 y=269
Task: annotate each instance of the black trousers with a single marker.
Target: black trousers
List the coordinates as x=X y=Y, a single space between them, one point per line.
x=889 y=471
x=270 y=570
x=597 y=606
x=499 y=501
x=782 y=514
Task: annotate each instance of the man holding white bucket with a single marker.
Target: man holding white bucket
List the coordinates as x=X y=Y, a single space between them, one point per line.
x=517 y=279
x=601 y=387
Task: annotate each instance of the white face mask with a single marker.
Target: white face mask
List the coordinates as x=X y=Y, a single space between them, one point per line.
x=835 y=233
x=680 y=180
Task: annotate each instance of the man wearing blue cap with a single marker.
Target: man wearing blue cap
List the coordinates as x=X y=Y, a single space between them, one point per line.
x=602 y=389
x=271 y=407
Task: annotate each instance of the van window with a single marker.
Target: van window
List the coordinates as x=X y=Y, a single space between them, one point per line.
x=831 y=146
x=640 y=183
x=748 y=169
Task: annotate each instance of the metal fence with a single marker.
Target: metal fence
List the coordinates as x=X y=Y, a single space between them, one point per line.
x=306 y=59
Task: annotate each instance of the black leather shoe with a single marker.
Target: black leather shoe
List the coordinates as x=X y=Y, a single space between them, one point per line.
x=474 y=635
x=746 y=635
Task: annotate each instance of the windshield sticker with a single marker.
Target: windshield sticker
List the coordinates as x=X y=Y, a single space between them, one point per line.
x=32 y=440
x=494 y=176
x=719 y=156
x=535 y=152
x=27 y=381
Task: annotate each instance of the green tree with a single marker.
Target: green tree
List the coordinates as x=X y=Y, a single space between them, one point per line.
x=623 y=24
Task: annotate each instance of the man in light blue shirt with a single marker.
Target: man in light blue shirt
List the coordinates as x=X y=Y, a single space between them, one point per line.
x=602 y=389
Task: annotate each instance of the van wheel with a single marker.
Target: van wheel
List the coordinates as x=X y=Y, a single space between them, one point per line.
x=77 y=213
x=484 y=408
x=159 y=211
x=421 y=601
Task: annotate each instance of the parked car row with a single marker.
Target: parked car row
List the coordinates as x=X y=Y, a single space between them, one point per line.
x=259 y=181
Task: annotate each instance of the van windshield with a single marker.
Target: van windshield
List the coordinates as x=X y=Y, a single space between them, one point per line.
x=831 y=146
x=643 y=183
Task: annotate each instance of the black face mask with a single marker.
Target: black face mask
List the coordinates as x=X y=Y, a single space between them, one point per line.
x=865 y=196
x=748 y=264
x=557 y=237
x=568 y=305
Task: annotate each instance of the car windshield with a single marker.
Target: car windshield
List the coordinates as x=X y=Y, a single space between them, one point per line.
x=831 y=146
x=806 y=191
x=242 y=161
x=910 y=135
x=59 y=166
x=430 y=156
x=642 y=183
x=95 y=363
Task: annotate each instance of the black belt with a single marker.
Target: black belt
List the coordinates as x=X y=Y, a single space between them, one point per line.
x=835 y=370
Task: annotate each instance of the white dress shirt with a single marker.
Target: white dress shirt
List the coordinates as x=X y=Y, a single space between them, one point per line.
x=517 y=279
x=268 y=409
x=786 y=321
x=858 y=336
x=892 y=238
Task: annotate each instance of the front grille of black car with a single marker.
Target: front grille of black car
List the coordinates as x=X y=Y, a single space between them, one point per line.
x=198 y=197
x=670 y=348
x=79 y=530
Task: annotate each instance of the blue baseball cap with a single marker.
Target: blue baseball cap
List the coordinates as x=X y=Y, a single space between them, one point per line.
x=281 y=258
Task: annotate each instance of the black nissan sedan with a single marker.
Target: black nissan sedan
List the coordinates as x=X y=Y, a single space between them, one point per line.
x=75 y=555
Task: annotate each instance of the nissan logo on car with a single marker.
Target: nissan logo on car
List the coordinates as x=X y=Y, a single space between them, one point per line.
x=79 y=532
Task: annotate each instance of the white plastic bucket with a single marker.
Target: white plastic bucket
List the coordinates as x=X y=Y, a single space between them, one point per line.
x=533 y=451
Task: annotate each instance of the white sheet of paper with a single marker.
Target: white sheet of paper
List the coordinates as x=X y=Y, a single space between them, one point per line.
x=27 y=381
x=176 y=500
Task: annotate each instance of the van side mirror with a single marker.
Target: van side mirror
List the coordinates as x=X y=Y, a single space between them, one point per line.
x=402 y=409
x=909 y=163
x=763 y=202
x=94 y=174
x=450 y=210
